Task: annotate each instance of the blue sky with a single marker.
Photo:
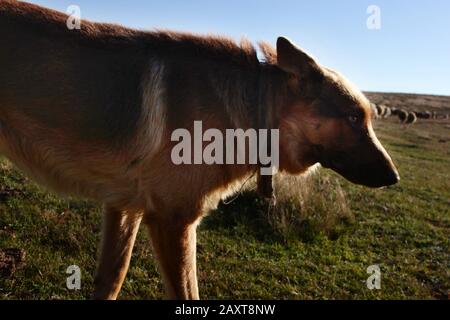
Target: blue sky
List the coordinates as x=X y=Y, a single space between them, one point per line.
x=410 y=53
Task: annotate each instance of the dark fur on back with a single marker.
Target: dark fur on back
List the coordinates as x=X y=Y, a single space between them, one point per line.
x=118 y=60
x=113 y=36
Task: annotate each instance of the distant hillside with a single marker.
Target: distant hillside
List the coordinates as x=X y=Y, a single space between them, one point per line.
x=413 y=102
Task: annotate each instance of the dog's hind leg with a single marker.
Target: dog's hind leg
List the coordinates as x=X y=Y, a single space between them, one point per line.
x=174 y=243
x=119 y=233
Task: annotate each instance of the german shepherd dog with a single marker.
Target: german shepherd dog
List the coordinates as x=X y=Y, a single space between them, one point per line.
x=90 y=112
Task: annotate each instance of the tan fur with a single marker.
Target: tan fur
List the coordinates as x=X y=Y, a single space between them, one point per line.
x=119 y=233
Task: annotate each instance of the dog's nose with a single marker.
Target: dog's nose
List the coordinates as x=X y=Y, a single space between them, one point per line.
x=392 y=178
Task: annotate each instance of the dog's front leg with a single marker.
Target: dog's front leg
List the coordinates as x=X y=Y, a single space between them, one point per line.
x=119 y=233
x=174 y=244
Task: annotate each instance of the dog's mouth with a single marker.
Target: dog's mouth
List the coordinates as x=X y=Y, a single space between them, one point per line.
x=334 y=162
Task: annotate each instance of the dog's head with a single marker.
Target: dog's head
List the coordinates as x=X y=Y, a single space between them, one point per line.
x=328 y=121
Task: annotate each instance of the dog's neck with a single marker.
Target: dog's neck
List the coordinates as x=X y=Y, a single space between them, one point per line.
x=271 y=91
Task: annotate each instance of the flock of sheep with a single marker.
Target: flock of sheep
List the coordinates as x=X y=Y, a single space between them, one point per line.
x=405 y=117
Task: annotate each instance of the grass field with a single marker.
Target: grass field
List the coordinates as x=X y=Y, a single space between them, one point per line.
x=405 y=229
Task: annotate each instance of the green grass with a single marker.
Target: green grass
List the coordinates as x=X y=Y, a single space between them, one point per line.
x=405 y=229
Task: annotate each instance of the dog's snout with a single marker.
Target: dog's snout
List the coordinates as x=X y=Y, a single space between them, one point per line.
x=392 y=177
x=369 y=165
x=383 y=172
x=376 y=176
x=385 y=178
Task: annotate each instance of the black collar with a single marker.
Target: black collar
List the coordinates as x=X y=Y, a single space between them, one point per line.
x=264 y=120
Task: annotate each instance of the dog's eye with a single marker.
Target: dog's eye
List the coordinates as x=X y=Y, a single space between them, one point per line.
x=353 y=119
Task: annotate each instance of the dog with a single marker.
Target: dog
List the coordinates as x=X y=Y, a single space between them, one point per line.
x=90 y=112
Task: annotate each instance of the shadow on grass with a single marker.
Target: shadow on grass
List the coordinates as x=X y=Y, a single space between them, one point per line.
x=245 y=214
x=250 y=216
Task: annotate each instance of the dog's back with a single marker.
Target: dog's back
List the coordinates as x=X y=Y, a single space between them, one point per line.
x=70 y=80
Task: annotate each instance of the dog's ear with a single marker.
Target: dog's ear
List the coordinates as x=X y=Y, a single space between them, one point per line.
x=292 y=59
